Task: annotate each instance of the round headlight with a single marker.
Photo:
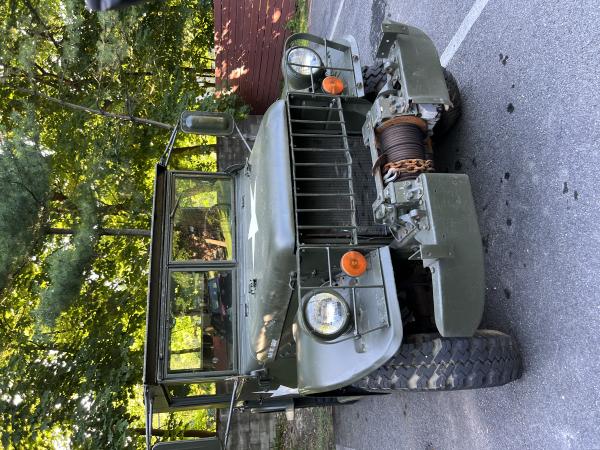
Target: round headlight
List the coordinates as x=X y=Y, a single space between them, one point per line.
x=299 y=58
x=326 y=314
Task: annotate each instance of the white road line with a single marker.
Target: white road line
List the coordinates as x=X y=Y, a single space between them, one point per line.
x=337 y=18
x=462 y=31
x=341 y=447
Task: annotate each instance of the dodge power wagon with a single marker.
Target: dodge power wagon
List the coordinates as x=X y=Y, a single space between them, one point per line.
x=337 y=263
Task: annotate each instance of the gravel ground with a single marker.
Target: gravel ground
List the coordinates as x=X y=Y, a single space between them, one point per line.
x=311 y=429
x=528 y=139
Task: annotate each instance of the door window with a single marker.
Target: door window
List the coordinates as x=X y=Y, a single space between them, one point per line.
x=201 y=321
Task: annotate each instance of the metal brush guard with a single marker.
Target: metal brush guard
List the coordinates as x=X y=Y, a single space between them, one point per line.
x=324 y=195
x=339 y=59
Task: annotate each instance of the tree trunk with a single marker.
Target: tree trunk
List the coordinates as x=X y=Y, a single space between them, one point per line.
x=186 y=433
x=206 y=149
x=104 y=232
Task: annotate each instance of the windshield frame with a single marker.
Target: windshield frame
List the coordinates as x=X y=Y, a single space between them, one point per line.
x=168 y=266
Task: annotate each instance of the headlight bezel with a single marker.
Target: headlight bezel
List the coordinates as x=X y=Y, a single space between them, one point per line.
x=347 y=314
x=297 y=69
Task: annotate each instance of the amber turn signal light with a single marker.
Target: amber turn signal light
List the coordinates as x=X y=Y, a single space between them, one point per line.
x=354 y=263
x=333 y=85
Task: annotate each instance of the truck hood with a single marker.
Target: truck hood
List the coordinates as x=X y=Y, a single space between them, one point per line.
x=267 y=237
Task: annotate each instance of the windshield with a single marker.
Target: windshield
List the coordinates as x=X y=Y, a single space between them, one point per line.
x=201 y=321
x=200 y=311
x=201 y=219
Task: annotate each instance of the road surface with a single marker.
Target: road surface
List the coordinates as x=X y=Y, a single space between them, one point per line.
x=529 y=140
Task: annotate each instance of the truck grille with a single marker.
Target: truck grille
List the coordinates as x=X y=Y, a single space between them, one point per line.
x=333 y=186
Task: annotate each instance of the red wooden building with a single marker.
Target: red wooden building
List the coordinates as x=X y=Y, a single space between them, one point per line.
x=249 y=38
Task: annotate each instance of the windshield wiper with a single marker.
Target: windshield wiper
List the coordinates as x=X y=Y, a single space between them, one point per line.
x=175 y=206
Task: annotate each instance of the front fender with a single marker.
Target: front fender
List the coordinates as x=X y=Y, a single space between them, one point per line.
x=417 y=63
x=326 y=366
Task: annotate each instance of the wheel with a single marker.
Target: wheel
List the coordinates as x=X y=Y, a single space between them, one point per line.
x=429 y=362
x=374 y=78
x=450 y=117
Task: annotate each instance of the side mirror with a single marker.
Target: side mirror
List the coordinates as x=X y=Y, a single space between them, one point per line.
x=208 y=123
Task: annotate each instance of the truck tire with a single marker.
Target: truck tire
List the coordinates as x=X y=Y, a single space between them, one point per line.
x=374 y=78
x=429 y=362
x=450 y=117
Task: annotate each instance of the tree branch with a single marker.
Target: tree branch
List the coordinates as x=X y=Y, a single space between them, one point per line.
x=21 y=75
x=18 y=183
x=202 y=71
x=96 y=111
x=57 y=196
x=104 y=232
x=37 y=17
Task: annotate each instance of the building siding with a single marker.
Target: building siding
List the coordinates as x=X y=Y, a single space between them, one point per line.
x=249 y=39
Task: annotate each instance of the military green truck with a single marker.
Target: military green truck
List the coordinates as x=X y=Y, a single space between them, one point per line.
x=336 y=263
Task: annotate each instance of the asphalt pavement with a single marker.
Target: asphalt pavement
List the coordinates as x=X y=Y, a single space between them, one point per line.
x=528 y=139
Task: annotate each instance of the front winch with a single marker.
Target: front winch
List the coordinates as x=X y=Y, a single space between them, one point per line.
x=403 y=148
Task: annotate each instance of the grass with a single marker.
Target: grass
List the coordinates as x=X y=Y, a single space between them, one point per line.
x=299 y=22
x=311 y=429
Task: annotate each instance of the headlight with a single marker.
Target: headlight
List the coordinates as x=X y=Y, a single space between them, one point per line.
x=306 y=57
x=326 y=314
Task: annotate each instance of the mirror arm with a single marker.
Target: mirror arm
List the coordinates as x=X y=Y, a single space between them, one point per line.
x=148 y=401
x=238 y=384
x=164 y=159
x=230 y=414
x=242 y=137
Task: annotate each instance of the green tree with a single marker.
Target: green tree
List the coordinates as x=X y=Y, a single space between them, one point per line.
x=86 y=105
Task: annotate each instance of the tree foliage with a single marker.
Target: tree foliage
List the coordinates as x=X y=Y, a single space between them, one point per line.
x=24 y=183
x=72 y=307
